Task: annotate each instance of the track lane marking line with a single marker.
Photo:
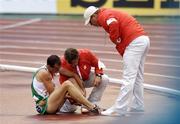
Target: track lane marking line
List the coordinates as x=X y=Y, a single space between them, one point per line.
x=20 y=24
x=95 y=51
x=113 y=70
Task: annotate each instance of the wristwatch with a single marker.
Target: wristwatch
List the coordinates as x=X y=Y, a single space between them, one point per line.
x=99 y=75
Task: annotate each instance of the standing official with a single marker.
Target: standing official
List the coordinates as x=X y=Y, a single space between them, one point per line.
x=132 y=43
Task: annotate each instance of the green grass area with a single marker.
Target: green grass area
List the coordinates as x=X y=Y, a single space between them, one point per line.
x=142 y=19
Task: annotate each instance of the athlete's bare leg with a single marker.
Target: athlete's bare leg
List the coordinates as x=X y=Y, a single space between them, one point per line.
x=76 y=84
x=57 y=97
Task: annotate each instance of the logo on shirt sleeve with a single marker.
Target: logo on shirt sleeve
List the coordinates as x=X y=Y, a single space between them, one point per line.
x=84 y=67
x=110 y=20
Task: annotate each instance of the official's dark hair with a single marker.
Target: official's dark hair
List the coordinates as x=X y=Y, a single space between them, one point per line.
x=52 y=60
x=71 y=54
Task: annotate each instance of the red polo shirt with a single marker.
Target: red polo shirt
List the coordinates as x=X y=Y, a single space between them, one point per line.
x=125 y=28
x=86 y=60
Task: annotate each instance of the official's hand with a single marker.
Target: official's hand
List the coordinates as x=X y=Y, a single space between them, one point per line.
x=117 y=41
x=97 y=81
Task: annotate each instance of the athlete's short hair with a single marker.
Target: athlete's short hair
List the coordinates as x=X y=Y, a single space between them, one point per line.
x=52 y=60
x=71 y=54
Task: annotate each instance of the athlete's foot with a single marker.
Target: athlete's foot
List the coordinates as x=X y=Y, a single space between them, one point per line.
x=95 y=111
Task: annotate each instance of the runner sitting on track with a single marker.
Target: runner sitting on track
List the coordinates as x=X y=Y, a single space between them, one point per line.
x=48 y=98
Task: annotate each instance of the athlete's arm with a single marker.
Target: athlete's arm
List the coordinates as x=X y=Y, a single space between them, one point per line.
x=46 y=78
x=68 y=73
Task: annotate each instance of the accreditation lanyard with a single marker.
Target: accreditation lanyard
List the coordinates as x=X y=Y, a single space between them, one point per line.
x=78 y=71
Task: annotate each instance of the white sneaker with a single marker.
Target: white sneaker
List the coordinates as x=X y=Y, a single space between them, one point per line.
x=111 y=112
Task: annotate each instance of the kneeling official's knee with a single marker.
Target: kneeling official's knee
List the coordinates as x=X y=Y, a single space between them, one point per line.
x=105 y=80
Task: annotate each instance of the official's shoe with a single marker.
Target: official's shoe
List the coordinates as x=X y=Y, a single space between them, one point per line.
x=84 y=110
x=112 y=112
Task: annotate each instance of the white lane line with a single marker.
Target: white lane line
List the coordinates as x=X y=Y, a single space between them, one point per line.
x=79 y=24
x=75 y=43
x=20 y=24
x=110 y=70
x=79 y=42
x=41 y=30
x=165 y=48
x=54 y=30
x=78 y=37
x=52 y=37
x=95 y=51
x=115 y=61
x=24 y=54
x=63 y=26
x=49 y=29
x=4 y=67
x=148 y=74
x=164 y=56
x=102 y=59
x=151 y=87
x=5 y=41
x=21 y=61
x=147 y=63
x=149 y=55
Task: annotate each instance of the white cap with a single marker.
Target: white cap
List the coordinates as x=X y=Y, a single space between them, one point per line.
x=88 y=13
